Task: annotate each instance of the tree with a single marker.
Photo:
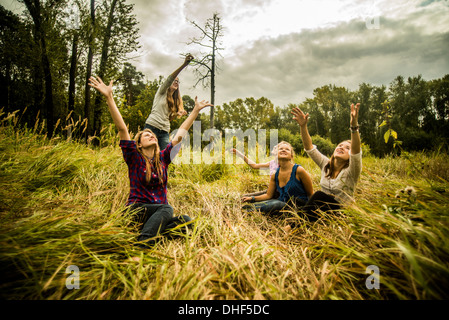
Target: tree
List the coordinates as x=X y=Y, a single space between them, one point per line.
x=206 y=64
x=113 y=35
x=17 y=59
x=135 y=115
x=74 y=57
x=131 y=82
x=90 y=57
x=102 y=68
x=436 y=119
x=34 y=8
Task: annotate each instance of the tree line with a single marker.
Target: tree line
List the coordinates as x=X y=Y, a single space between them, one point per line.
x=49 y=52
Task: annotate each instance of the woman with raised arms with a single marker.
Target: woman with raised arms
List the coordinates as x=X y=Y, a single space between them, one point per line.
x=167 y=106
x=147 y=169
x=340 y=173
x=291 y=181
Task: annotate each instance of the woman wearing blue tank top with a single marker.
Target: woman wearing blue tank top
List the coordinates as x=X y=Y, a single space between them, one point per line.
x=291 y=180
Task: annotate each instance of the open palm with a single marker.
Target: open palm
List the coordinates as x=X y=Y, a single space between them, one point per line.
x=299 y=116
x=199 y=105
x=100 y=86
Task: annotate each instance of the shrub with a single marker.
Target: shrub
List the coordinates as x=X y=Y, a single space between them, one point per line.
x=325 y=146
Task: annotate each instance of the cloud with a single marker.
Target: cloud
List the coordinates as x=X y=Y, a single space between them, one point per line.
x=411 y=40
x=287 y=68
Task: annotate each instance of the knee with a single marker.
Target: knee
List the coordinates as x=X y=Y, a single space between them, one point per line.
x=166 y=209
x=185 y=218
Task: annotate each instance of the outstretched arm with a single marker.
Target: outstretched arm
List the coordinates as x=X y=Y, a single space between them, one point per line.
x=355 y=136
x=185 y=126
x=186 y=62
x=250 y=162
x=113 y=110
x=169 y=81
x=302 y=119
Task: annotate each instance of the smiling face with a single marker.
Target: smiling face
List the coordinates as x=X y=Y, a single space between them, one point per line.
x=342 y=150
x=147 y=139
x=284 y=151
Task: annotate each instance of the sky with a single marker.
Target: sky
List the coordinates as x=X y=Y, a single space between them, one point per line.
x=283 y=49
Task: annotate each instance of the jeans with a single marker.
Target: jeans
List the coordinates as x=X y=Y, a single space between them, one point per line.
x=272 y=206
x=156 y=219
x=319 y=201
x=162 y=136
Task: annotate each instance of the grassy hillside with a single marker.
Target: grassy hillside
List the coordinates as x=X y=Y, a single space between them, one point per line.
x=62 y=204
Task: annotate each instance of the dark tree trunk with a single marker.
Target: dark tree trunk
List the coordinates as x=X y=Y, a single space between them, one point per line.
x=34 y=7
x=102 y=69
x=90 y=55
x=72 y=75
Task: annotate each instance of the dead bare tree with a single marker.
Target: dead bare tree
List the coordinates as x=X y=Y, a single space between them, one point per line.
x=205 y=64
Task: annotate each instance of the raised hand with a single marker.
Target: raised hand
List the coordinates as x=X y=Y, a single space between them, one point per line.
x=355 y=114
x=100 y=86
x=199 y=105
x=300 y=117
x=235 y=151
x=188 y=58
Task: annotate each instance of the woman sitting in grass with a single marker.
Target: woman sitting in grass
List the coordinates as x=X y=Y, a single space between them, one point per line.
x=291 y=181
x=147 y=169
x=339 y=174
x=271 y=165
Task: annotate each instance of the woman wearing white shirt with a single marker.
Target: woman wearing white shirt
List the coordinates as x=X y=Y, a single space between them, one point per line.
x=167 y=106
x=340 y=173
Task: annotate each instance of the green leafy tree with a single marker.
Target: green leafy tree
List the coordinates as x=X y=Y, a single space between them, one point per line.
x=136 y=115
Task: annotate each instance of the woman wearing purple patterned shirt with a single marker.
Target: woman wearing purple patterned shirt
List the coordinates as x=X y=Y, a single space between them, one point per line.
x=147 y=170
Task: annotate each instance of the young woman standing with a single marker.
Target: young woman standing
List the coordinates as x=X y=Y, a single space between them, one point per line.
x=167 y=106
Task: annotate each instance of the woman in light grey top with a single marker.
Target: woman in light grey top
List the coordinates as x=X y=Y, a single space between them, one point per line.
x=340 y=173
x=167 y=105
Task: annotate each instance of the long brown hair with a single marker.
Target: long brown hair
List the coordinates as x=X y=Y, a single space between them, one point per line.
x=175 y=103
x=157 y=160
x=329 y=168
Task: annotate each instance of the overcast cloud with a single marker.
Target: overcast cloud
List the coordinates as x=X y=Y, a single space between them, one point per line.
x=283 y=49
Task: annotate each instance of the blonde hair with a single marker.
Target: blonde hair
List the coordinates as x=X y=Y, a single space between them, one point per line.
x=157 y=160
x=291 y=149
x=175 y=104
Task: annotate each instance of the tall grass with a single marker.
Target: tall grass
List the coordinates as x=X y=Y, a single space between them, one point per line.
x=62 y=204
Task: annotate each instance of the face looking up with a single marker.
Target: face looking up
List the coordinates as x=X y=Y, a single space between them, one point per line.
x=147 y=139
x=342 y=150
x=284 y=151
x=175 y=85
